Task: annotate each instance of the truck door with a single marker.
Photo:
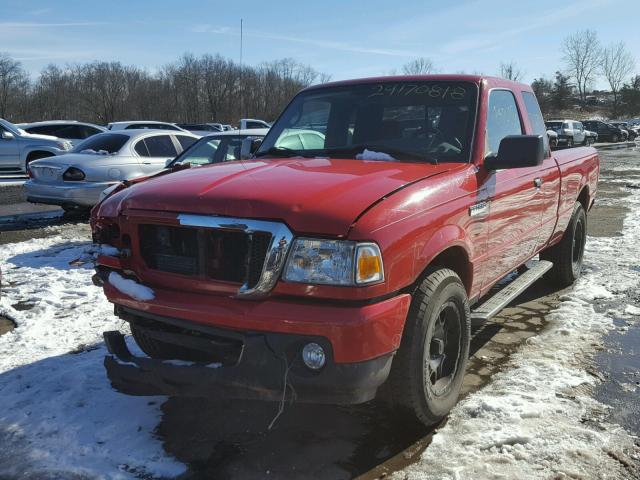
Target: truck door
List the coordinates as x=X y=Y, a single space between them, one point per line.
x=547 y=180
x=516 y=203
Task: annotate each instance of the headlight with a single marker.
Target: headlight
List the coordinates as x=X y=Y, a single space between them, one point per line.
x=64 y=145
x=334 y=262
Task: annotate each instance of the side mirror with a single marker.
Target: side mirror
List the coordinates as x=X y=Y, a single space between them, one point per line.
x=517 y=151
x=249 y=146
x=7 y=135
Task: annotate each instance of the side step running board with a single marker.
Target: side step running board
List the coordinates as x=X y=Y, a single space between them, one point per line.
x=493 y=305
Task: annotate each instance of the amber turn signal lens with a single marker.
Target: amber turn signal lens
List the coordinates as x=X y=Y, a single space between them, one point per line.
x=369 y=264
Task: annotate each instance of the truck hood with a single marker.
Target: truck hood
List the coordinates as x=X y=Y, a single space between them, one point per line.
x=312 y=195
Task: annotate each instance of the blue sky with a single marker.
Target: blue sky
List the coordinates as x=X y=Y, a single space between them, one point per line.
x=344 y=39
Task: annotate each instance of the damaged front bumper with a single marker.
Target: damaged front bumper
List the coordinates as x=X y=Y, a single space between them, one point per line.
x=267 y=367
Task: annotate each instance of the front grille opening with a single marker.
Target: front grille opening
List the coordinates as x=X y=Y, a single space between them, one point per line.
x=222 y=255
x=176 y=343
x=225 y=255
x=170 y=249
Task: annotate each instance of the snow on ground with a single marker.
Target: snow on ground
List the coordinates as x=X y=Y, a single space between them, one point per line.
x=536 y=418
x=59 y=416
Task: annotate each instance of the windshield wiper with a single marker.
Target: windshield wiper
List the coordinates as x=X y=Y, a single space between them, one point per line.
x=280 y=152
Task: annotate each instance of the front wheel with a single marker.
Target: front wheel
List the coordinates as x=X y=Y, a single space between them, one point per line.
x=427 y=373
x=567 y=255
x=570 y=143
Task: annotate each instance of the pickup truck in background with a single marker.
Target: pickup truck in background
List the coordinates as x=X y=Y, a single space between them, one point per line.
x=18 y=148
x=350 y=267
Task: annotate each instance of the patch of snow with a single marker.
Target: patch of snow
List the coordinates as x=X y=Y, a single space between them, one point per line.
x=536 y=419
x=131 y=287
x=59 y=416
x=371 y=155
x=632 y=310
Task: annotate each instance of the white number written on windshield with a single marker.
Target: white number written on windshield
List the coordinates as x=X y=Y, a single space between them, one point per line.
x=406 y=89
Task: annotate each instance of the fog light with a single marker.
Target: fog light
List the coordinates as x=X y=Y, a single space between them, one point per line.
x=313 y=356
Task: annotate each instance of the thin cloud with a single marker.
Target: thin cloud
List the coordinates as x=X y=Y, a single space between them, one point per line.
x=40 y=11
x=491 y=41
x=49 y=25
x=331 y=45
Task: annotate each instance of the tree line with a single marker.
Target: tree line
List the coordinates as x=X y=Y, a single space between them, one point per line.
x=209 y=88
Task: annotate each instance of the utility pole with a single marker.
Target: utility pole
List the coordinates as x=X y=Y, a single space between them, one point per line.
x=242 y=107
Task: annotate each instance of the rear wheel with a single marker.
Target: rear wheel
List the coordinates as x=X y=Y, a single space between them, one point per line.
x=427 y=373
x=567 y=255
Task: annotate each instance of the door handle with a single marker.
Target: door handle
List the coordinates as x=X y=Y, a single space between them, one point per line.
x=537 y=182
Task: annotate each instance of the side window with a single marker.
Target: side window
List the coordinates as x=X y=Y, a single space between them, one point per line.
x=185 y=141
x=45 y=130
x=160 y=146
x=502 y=119
x=230 y=151
x=535 y=118
x=141 y=149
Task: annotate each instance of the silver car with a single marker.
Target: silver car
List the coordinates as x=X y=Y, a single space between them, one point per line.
x=18 y=148
x=76 y=180
x=71 y=130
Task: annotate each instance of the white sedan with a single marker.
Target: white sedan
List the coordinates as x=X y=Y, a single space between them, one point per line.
x=76 y=180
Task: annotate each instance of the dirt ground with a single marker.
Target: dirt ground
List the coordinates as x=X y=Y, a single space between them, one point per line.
x=231 y=439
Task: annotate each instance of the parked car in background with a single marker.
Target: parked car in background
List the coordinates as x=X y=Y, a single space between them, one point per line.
x=570 y=132
x=201 y=128
x=18 y=148
x=606 y=132
x=590 y=137
x=251 y=123
x=333 y=273
x=227 y=128
x=215 y=148
x=553 y=138
x=75 y=180
x=141 y=124
x=631 y=133
x=70 y=130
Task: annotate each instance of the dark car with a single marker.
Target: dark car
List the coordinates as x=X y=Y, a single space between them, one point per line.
x=631 y=133
x=606 y=132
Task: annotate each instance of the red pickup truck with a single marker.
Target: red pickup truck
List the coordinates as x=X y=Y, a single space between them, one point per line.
x=351 y=252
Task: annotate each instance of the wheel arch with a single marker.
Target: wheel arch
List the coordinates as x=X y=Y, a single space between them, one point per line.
x=447 y=249
x=584 y=197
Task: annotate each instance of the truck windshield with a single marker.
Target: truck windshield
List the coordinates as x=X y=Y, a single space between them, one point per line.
x=427 y=121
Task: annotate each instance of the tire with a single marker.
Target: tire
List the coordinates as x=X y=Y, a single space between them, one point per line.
x=570 y=143
x=567 y=255
x=438 y=325
x=155 y=348
x=76 y=211
x=615 y=138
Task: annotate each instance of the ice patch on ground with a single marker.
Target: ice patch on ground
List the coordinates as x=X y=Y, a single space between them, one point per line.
x=59 y=416
x=632 y=310
x=536 y=418
x=131 y=287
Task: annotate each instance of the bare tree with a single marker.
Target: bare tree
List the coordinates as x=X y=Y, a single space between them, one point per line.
x=511 y=71
x=582 y=54
x=13 y=82
x=617 y=65
x=419 y=66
